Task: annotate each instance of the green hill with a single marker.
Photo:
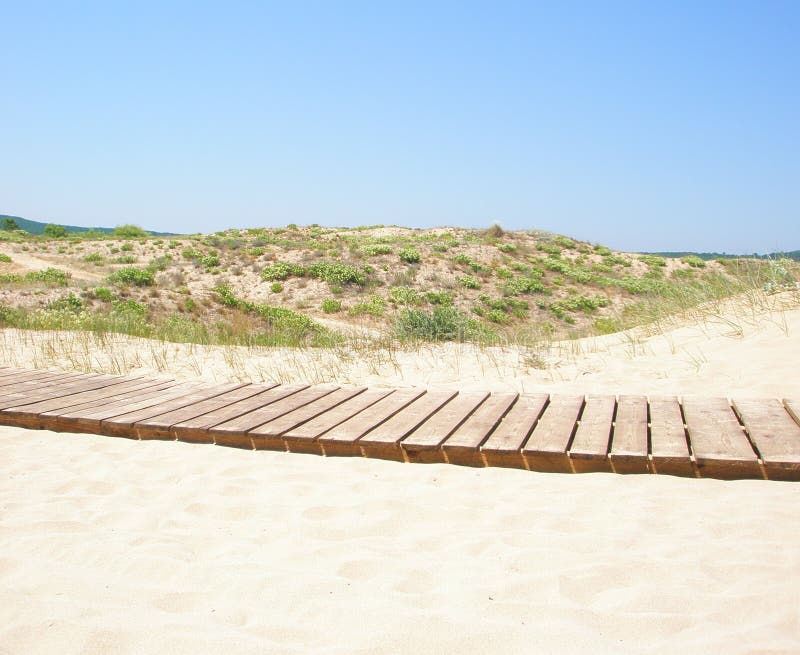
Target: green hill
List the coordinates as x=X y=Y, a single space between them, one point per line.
x=37 y=227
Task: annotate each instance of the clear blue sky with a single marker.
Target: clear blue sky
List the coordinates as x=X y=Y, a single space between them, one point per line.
x=642 y=125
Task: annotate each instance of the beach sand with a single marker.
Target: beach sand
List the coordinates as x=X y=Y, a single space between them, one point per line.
x=114 y=546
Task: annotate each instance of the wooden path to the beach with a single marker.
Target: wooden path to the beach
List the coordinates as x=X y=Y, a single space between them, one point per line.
x=694 y=437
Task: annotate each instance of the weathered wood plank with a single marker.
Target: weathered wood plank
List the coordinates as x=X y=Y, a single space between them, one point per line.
x=721 y=449
x=424 y=443
x=160 y=426
x=236 y=432
x=13 y=404
x=342 y=440
x=316 y=427
x=668 y=446
x=384 y=441
x=463 y=445
x=589 y=449
x=19 y=377
x=36 y=381
x=122 y=425
x=775 y=435
x=546 y=449
x=504 y=445
x=84 y=418
x=71 y=419
x=272 y=435
x=45 y=412
x=793 y=407
x=197 y=430
x=629 y=448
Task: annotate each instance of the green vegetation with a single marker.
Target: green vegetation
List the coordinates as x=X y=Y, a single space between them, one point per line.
x=442 y=324
x=140 y=277
x=409 y=255
x=55 y=231
x=129 y=232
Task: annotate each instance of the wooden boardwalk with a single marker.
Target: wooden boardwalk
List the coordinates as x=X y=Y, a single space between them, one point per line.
x=694 y=437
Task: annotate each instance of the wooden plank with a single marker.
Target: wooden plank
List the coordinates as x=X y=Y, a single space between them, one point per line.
x=196 y=430
x=33 y=381
x=793 y=407
x=273 y=435
x=504 y=445
x=70 y=419
x=721 y=449
x=668 y=447
x=424 y=443
x=160 y=426
x=236 y=431
x=629 y=449
x=343 y=439
x=89 y=419
x=316 y=427
x=384 y=441
x=13 y=404
x=462 y=447
x=589 y=449
x=775 y=434
x=122 y=425
x=19 y=377
x=546 y=449
x=44 y=414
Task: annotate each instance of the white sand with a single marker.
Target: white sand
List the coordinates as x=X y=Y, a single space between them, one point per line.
x=113 y=546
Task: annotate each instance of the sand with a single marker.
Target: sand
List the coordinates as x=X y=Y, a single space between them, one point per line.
x=114 y=546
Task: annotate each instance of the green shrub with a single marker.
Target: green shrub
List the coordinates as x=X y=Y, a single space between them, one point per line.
x=130 y=307
x=331 y=305
x=69 y=303
x=126 y=247
x=55 y=231
x=442 y=324
x=337 y=273
x=276 y=287
x=280 y=271
x=375 y=306
x=653 y=260
x=126 y=259
x=694 y=261
x=522 y=285
x=549 y=248
x=5 y=258
x=439 y=298
x=129 y=232
x=507 y=247
x=94 y=257
x=469 y=282
x=103 y=293
x=409 y=255
x=10 y=278
x=52 y=276
x=140 y=277
x=374 y=249
x=405 y=296
x=210 y=261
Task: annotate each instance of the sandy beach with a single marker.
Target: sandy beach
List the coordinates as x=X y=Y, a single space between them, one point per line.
x=114 y=546
x=111 y=546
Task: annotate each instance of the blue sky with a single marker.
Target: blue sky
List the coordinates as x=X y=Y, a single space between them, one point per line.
x=644 y=126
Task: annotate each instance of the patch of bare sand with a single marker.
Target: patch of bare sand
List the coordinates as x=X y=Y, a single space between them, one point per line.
x=113 y=546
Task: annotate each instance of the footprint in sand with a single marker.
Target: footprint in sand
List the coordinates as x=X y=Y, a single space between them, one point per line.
x=320 y=513
x=360 y=569
x=178 y=602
